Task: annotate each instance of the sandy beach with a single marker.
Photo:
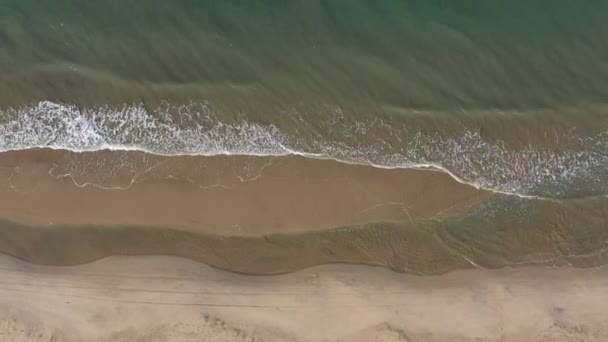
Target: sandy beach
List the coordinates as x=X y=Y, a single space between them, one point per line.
x=172 y=299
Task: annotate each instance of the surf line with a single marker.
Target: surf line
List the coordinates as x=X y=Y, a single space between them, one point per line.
x=284 y=152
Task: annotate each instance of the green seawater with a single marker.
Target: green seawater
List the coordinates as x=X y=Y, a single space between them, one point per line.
x=506 y=95
x=395 y=54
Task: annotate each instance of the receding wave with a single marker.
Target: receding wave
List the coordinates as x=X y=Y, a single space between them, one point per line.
x=196 y=129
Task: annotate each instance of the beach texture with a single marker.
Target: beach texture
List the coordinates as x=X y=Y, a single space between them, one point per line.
x=396 y=170
x=169 y=299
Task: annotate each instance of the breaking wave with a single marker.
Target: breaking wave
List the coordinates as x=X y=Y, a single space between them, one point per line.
x=195 y=129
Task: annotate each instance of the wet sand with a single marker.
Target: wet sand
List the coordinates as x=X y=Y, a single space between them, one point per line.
x=171 y=299
x=245 y=214
x=257 y=215
x=226 y=195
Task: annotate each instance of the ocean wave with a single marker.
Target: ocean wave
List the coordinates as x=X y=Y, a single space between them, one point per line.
x=196 y=129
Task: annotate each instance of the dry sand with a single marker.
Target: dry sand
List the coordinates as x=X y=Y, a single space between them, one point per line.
x=172 y=299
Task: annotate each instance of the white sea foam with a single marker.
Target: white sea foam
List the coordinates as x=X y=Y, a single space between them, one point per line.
x=59 y=126
x=195 y=129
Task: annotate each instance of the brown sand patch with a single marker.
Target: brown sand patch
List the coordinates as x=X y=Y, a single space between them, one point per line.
x=227 y=195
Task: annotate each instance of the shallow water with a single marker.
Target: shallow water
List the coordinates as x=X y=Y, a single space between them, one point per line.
x=508 y=97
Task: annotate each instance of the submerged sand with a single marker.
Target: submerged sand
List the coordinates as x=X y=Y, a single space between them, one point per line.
x=156 y=299
x=222 y=195
x=269 y=215
x=246 y=214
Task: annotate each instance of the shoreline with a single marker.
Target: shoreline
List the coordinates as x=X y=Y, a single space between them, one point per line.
x=401 y=248
x=372 y=245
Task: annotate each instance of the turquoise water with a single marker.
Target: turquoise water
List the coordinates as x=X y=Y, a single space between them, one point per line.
x=505 y=95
